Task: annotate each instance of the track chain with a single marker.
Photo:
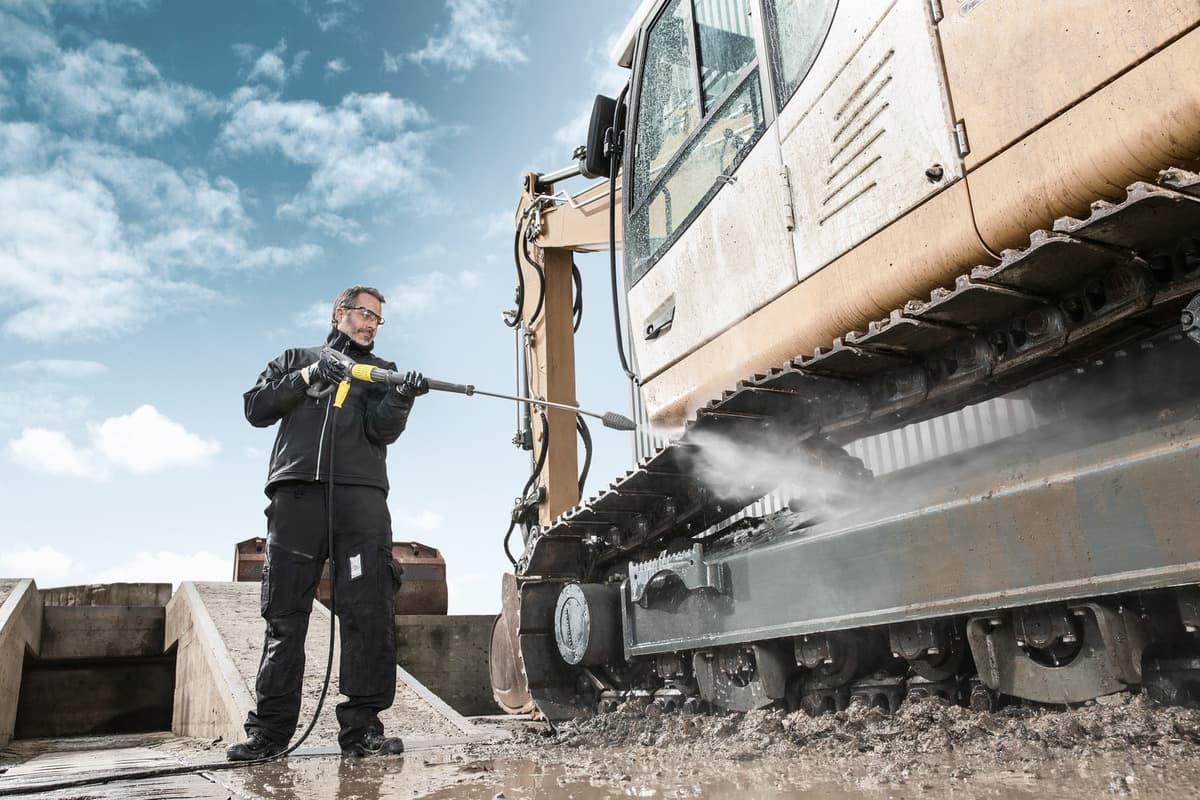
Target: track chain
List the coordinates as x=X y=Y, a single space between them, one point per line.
x=1084 y=287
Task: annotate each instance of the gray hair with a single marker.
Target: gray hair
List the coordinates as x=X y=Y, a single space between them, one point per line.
x=348 y=296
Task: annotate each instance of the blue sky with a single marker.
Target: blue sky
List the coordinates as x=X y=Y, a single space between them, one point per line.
x=184 y=188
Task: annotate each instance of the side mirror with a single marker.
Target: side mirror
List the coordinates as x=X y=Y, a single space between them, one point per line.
x=596 y=162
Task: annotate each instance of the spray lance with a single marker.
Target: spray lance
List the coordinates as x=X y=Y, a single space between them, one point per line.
x=370 y=374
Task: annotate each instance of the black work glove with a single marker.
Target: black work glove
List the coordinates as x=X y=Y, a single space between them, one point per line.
x=414 y=385
x=327 y=370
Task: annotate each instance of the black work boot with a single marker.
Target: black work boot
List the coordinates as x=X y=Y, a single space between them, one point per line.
x=374 y=744
x=255 y=747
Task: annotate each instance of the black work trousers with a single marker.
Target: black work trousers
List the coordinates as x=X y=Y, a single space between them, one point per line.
x=365 y=582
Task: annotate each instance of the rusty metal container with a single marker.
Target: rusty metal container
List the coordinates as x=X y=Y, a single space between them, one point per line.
x=424 y=585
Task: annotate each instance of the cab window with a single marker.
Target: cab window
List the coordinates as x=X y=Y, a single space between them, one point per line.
x=796 y=30
x=698 y=113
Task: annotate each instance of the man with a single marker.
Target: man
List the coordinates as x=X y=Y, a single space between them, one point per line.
x=328 y=468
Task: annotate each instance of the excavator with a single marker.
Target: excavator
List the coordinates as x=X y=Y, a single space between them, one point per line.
x=909 y=306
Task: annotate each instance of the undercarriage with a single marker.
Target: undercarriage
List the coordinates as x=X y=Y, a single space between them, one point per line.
x=1055 y=561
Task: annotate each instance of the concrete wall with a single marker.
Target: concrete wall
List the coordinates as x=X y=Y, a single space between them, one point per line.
x=108 y=594
x=211 y=699
x=20 y=630
x=449 y=655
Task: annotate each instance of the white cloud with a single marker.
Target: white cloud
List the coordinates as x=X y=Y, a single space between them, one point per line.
x=23 y=38
x=497 y=224
x=420 y=293
x=46 y=565
x=479 y=31
x=62 y=241
x=425 y=520
x=269 y=66
x=52 y=453
x=110 y=85
x=392 y=62
x=61 y=368
x=17 y=412
x=336 y=67
x=101 y=232
x=145 y=441
x=367 y=149
x=607 y=78
x=337 y=226
x=316 y=316
x=141 y=442
x=167 y=567
x=330 y=13
x=21 y=144
x=49 y=567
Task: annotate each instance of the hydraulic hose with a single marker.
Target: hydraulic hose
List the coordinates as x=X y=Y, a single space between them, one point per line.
x=533 y=476
x=586 y=436
x=577 y=305
x=614 y=157
x=537 y=309
x=520 y=296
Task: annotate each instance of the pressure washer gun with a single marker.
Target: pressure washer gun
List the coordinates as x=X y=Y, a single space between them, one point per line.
x=370 y=374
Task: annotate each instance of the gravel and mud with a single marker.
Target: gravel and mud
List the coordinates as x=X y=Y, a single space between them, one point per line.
x=1121 y=746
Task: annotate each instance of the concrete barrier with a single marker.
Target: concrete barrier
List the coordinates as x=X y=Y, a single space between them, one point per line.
x=211 y=699
x=214 y=676
x=449 y=655
x=20 y=631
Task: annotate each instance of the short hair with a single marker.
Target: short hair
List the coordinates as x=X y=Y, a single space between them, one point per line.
x=348 y=296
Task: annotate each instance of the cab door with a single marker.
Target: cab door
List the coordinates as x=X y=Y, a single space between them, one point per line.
x=707 y=239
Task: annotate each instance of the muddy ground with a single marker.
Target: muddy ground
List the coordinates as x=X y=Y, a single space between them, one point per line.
x=1121 y=746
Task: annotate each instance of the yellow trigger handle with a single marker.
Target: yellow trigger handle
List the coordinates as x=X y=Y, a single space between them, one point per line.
x=342 y=390
x=359 y=372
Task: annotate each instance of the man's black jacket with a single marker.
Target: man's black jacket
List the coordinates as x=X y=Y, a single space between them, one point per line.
x=372 y=417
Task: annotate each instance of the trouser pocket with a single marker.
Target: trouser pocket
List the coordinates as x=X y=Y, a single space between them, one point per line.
x=367 y=622
x=397 y=572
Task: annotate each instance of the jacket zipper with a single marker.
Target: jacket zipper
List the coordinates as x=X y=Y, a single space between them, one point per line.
x=321 y=442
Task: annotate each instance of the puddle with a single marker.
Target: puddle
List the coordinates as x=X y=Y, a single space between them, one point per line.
x=328 y=777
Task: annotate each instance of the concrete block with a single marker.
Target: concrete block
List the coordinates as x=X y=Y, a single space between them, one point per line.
x=95 y=697
x=20 y=632
x=102 y=631
x=108 y=594
x=449 y=655
x=211 y=699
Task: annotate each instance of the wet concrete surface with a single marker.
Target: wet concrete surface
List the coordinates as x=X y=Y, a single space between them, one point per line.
x=1123 y=747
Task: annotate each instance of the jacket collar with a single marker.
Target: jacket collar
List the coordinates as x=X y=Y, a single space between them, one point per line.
x=344 y=344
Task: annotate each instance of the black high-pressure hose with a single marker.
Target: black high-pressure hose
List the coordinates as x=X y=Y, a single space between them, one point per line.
x=614 y=158
x=163 y=772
